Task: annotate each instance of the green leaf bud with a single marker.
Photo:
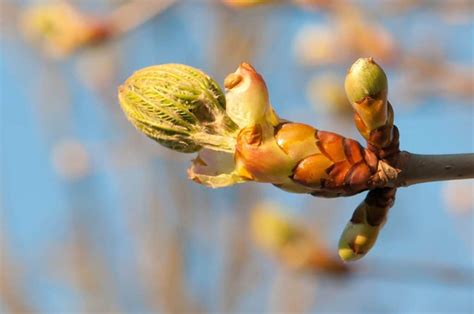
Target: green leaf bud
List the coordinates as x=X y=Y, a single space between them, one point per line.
x=357 y=240
x=178 y=106
x=360 y=235
x=366 y=88
x=366 y=79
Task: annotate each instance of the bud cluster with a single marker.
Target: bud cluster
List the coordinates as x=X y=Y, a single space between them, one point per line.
x=240 y=138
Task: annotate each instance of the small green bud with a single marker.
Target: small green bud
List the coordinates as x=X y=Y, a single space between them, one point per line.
x=357 y=240
x=366 y=88
x=180 y=107
x=359 y=236
x=366 y=79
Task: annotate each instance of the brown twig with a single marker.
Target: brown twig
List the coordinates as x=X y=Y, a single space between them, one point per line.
x=416 y=168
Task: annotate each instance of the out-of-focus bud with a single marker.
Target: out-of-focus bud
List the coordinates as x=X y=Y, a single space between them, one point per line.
x=247 y=98
x=316 y=45
x=366 y=88
x=60 y=28
x=271 y=229
x=180 y=107
x=291 y=242
x=247 y=3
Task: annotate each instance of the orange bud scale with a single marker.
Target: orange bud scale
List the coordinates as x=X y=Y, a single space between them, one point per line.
x=313 y=159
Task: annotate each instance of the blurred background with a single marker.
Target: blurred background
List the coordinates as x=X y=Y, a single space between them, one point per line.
x=96 y=218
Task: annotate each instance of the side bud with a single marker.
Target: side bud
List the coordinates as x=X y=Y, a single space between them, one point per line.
x=178 y=106
x=357 y=239
x=366 y=88
x=361 y=232
x=247 y=98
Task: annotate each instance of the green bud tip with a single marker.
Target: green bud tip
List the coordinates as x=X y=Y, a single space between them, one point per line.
x=178 y=106
x=366 y=79
x=357 y=240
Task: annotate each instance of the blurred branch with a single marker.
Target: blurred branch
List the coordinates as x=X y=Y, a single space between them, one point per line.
x=88 y=271
x=62 y=28
x=237 y=36
x=233 y=281
x=134 y=13
x=162 y=249
x=11 y=277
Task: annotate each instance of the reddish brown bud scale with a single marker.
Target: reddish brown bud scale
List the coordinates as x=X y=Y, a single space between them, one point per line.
x=376 y=204
x=358 y=177
x=337 y=175
x=352 y=151
x=371 y=160
x=361 y=127
x=381 y=137
x=346 y=168
x=331 y=145
x=391 y=149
